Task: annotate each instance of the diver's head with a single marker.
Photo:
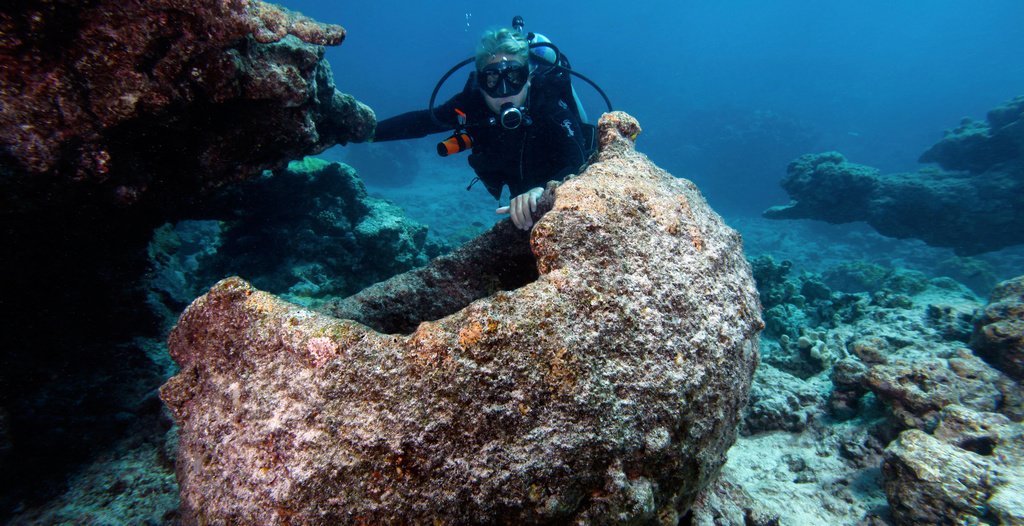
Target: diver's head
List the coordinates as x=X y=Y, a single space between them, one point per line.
x=503 y=68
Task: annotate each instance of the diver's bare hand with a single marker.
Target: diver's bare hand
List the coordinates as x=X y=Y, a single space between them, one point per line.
x=522 y=208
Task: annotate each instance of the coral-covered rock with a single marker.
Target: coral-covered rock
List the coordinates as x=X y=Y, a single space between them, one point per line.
x=856 y=276
x=978 y=147
x=308 y=231
x=847 y=389
x=827 y=187
x=725 y=503
x=122 y=100
x=781 y=401
x=606 y=390
x=918 y=391
x=977 y=274
x=772 y=280
x=999 y=329
x=929 y=482
x=970 y=469
x=871 y=350
x=971 y=214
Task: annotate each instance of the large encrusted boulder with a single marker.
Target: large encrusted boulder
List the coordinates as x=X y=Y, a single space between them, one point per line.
x=599 y=382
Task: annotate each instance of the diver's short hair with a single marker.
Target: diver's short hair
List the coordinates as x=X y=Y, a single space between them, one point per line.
x=502 y=41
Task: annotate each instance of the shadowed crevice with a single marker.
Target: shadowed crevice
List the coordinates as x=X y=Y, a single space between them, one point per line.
x=499 y=259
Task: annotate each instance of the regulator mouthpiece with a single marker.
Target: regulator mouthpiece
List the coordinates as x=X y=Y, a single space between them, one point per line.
x=511 y=116
x=518 y=23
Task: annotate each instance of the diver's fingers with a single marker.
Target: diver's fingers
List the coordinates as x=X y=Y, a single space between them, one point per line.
x=525 y=216
x=502 y=210
x=517 y=212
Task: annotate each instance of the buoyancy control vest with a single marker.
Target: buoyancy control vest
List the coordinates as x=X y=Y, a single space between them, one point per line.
x=550 y=63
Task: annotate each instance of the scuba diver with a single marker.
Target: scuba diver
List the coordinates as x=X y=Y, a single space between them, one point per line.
x=519 y=114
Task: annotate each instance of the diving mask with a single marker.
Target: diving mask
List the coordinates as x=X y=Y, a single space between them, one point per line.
x=503 y=79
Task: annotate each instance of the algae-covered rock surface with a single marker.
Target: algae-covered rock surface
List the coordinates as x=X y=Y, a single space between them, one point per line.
x=968 y=471
x=153 y=102
x=606 y=390
x=868 y=409
x=999 y=329
x=308 y=231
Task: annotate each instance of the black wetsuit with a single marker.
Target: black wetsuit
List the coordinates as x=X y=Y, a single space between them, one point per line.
x=549 y=145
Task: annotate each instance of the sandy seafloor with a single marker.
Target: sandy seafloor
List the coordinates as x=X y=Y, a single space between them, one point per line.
x=806 y=476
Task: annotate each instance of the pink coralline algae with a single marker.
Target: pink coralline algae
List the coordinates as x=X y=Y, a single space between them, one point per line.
x=593 y=372
x=130 y=98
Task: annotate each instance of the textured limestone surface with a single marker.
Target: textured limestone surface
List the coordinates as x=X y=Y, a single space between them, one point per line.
x=999 y=329
x=127 y=99
x=970 y=470
x=919 y=390
x=607 y=390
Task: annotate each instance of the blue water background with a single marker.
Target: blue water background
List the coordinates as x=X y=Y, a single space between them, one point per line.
x=878 y=81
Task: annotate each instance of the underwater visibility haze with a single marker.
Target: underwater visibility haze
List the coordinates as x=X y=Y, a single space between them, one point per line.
x=834 y=337
x=728 y=93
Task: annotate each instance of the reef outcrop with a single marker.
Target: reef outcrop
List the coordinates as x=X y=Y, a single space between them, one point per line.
x=597 y=377
x=969 y=469
x=116 y=117
x=977 y=206
x=308 y=231
x=917 y=392
x=122 y=100
x=999 y=329
x=982 y=146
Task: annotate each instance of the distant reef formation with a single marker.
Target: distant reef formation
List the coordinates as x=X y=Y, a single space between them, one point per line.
x=578 y=376
x=973 y=204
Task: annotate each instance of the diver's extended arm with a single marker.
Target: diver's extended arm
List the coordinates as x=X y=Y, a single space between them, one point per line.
x=411 y=125
x=416 y=124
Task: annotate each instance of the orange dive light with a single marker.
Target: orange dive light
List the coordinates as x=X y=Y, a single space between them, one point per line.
x=460 y=141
